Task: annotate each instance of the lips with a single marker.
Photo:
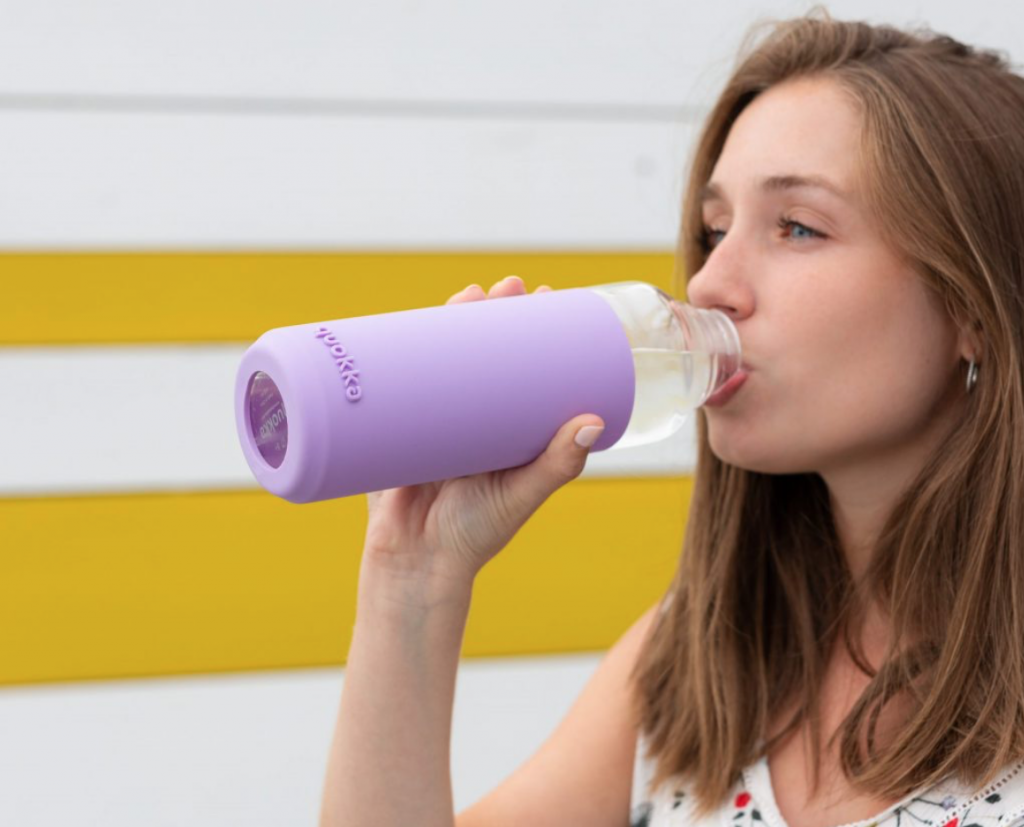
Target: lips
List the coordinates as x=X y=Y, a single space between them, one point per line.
x=728 y=390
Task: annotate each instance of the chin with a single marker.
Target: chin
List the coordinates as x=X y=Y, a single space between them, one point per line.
x=752 y=455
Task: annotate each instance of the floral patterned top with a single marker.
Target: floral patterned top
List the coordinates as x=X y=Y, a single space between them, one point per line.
x=751 y=803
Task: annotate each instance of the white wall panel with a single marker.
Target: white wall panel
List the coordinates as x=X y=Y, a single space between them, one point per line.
x=576 y=51
x=144 y=181
x=90 y=420
x=243 y=749
x=654 y=52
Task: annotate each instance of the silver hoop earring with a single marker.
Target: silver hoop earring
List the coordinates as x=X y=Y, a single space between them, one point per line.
x=972 y=376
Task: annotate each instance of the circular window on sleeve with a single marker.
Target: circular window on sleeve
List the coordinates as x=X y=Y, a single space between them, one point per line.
x=268 y=421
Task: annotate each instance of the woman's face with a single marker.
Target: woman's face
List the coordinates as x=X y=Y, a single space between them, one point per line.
x=852 y=359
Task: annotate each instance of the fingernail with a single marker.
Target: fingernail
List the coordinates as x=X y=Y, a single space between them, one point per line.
x=587 y=436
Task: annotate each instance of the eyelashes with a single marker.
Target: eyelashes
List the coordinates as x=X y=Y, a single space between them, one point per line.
x=704 y=238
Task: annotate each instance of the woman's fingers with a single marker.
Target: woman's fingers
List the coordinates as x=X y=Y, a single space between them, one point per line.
x=471 y=293
x=510 y=286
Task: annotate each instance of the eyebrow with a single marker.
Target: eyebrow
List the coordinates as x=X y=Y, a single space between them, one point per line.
x=778 y=183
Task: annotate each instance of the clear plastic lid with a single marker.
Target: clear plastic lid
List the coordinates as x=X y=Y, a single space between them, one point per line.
x=655 y=322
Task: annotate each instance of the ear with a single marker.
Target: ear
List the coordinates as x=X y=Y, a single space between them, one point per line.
x=970 y=343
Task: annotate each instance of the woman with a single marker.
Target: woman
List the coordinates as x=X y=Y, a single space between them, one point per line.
x=844 y=637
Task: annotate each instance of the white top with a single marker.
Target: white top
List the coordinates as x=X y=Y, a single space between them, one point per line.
x=751 y=803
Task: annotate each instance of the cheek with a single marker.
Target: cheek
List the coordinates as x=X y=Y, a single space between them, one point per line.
x=888 y=355
x=902 y=349
x=865 y=343
x=908 y=370
x=847 y=373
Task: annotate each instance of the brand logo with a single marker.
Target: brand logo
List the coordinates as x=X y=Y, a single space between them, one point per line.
x=345 y=363
x=269 y=426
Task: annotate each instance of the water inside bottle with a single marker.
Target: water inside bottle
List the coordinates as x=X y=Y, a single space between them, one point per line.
x=669 y=385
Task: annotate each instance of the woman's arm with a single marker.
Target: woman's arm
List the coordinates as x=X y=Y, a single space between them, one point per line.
x=389 y=762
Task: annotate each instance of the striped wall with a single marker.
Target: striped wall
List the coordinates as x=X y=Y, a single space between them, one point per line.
x=176 y=179
x=136 y=541
x=170 y=192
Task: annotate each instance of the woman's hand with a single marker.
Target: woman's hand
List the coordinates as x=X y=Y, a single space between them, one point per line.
x=448 y=530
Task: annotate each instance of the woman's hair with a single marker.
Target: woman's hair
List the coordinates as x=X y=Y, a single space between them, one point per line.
x=762 y=592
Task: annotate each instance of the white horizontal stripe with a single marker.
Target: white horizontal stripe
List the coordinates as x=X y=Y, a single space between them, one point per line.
x=154 y=418
x=158 y=181
x=586 y=51
x=244 y=749
x=575 y=50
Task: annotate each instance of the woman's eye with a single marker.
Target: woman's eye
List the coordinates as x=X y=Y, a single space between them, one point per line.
x=705 y=238
x=799 y=232
x=785 y=223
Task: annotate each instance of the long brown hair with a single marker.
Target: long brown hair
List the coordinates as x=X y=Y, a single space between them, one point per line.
x=762 y=592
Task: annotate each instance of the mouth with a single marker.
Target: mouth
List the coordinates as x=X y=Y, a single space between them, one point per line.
x=729 y=389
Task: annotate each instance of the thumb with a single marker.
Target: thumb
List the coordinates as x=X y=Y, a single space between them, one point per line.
x=562 y=461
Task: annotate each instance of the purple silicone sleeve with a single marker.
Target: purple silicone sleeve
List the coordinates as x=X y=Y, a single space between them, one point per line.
x=376 y=402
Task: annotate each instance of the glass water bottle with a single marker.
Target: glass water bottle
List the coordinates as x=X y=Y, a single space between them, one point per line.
x=335 y=408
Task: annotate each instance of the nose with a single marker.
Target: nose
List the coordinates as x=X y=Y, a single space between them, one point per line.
x=721 y=284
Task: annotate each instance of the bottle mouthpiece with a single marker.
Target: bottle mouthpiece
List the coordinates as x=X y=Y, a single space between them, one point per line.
x=711 y=332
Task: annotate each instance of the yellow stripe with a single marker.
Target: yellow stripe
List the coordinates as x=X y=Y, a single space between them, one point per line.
x=143 y=585
x=117 y=587
x=186 y=297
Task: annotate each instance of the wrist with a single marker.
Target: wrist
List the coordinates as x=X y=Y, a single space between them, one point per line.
x=384 y=584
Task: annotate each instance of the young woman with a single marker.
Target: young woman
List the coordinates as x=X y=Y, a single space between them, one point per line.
x=844 y=638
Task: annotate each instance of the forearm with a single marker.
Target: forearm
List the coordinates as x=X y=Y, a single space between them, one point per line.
x=390 y=756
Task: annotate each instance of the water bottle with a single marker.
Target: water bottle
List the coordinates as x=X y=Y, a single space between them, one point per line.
x=336 y=408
